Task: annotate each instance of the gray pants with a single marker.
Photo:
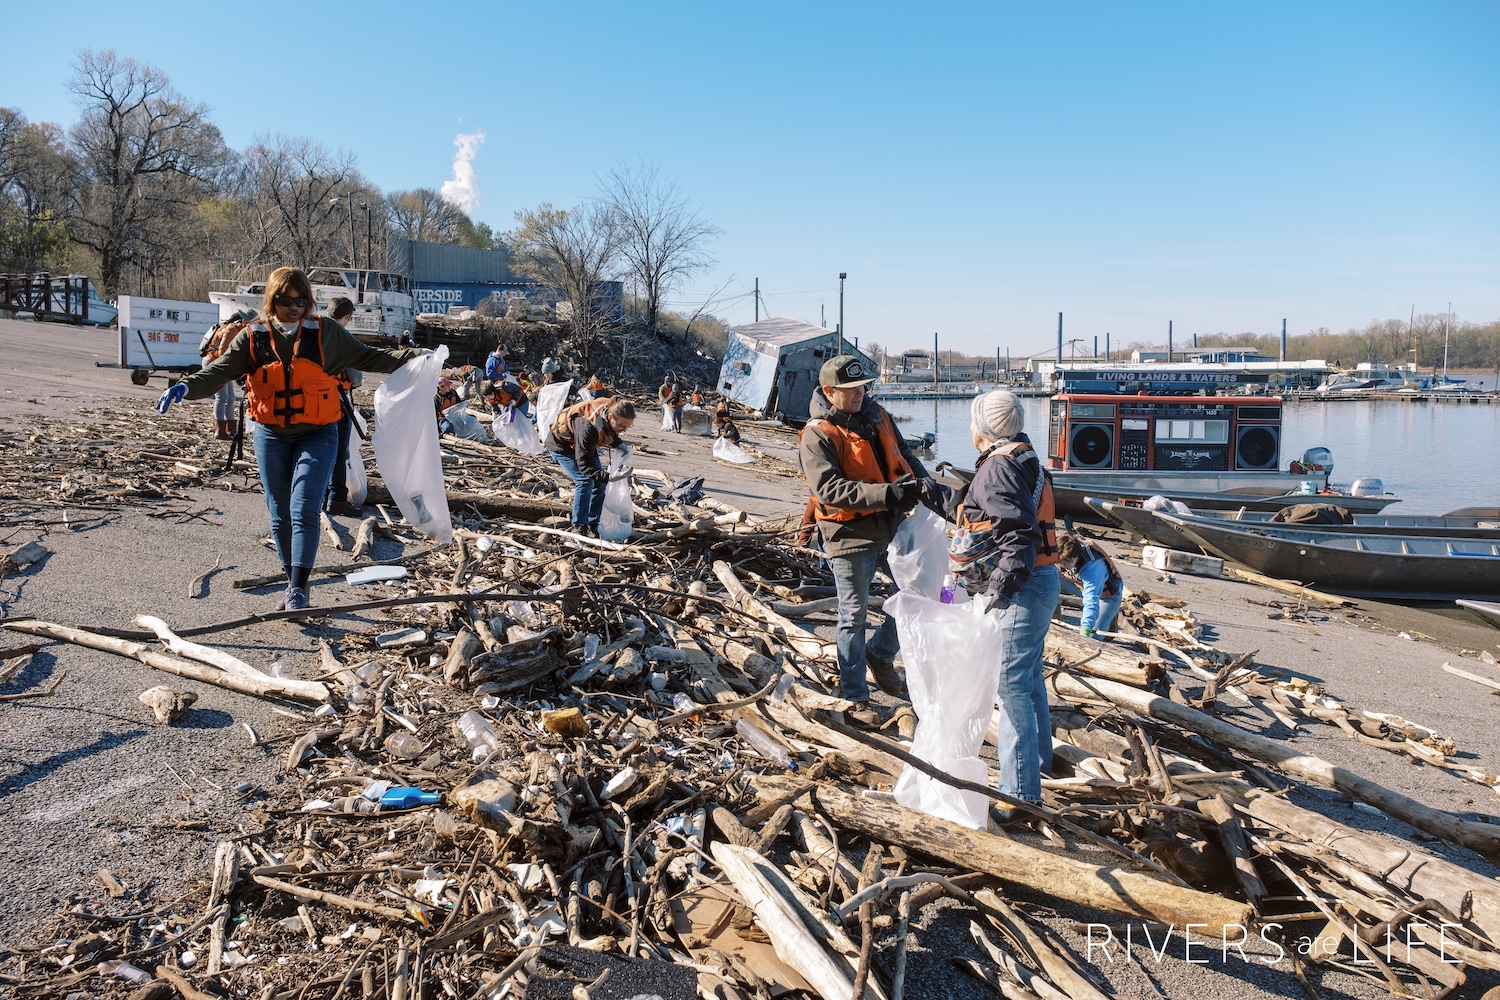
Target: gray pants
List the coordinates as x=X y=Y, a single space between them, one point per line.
x=224 y=403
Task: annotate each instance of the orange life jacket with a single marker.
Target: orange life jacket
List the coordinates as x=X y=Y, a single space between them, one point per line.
x=1041 y=498
x=295 y=390
x=562 y=427
x=858 y=460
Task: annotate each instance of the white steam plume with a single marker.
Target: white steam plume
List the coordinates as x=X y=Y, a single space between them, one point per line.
x=463 y=190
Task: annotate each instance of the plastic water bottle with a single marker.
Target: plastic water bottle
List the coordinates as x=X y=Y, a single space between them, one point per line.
x=757 y=739
x=947 y=592
x=685 y=705
x=404 y=745
x=478 y=734
x=407 y=797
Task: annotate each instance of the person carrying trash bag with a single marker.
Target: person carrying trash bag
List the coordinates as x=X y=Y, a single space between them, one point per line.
x=290 y=358
x=1089 y=568
x=864 y=481
x=574 y=439
x=1005 y=553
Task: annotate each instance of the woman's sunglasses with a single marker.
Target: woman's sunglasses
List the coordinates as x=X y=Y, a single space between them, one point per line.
x=287 y=300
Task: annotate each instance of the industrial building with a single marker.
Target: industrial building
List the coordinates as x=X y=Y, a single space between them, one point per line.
x=445 y=276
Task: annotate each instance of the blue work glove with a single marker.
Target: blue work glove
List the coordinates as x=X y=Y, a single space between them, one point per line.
x=174 y=394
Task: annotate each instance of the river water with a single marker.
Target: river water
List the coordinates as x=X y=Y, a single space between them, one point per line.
x=1436 y=456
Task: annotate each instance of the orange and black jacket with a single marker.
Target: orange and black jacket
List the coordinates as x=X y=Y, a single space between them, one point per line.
x=1001 y=494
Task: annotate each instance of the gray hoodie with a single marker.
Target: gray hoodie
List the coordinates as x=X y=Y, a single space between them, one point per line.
x=818 y=459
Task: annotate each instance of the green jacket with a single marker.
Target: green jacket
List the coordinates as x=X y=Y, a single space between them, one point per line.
x=340 y=352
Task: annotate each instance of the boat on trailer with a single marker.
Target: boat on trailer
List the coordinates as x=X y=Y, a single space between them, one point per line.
x=383 y=303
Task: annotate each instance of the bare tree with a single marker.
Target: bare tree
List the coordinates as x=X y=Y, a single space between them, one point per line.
x=294 y=192
x=423 y=214
x=574 y=252
x=663 y=240
x=145 y=153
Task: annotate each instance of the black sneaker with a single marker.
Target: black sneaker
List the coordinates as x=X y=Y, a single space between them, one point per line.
x=886 y=677
x=863 y=715
x=340 y=508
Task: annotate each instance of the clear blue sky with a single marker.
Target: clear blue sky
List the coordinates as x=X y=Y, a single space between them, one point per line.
x=975 y=168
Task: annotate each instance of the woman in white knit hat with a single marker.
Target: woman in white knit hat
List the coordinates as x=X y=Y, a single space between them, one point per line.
x=1009 y=550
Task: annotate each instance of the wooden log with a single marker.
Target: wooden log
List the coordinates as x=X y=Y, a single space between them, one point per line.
x=264 y=685
x=1417 y=873
x=311 y=690
x=1456 y=672
x=22 y=556
x=1103 y=887
x=330 y=532
x=1232 y=839
x=1054 y=959
x=464 y=647
x=364 y=538
x=1482 y=838
x=802 y=641
x=804 y=939
x=1286 y=587
x=1101 y=659
x=512 y=508
x=757 y=665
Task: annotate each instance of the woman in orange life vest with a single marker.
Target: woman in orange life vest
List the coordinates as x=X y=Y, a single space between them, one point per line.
x=290 y=365
x=1011 y=495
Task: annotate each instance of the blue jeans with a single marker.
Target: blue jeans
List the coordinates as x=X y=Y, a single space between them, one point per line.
x=1025 y=726
x=295 y=472
x=588 y=495
x=852 y=576
x=338 y=491
x=1109 y=609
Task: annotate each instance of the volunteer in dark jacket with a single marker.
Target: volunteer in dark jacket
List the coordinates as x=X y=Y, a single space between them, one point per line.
x=1017 y=566
x=1091 y=569
x=290 y=366
x=574 y=439
x=864 y=481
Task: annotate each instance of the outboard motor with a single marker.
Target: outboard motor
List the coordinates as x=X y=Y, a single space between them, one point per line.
x=1319 y=458
x=1367 y=487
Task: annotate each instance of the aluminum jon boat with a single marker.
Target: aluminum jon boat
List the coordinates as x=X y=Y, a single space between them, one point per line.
x=1488 y=610
x=1406 y=567
x=1147 y=524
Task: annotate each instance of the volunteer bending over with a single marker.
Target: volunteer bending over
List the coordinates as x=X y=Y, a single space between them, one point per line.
x=1008 y=517
x=1093 y=572
x=574 y=439
x=290 y=366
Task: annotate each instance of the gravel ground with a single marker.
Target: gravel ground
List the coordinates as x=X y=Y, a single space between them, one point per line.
x=89 y=781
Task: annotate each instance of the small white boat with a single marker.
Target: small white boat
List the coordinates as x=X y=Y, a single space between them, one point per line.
x=383 y=304
x=1488 y=610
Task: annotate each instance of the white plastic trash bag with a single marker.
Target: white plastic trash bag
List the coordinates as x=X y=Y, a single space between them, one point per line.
x=513 y=429
x=406 y=445
x=726 y=450
x=354 y=470
x=666 y=418
x=550 y=400
x=464 y=423
x=618 y=514
x=919 y=554
x=952 y=657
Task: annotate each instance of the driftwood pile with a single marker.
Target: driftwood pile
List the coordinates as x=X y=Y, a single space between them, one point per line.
x=627 y=776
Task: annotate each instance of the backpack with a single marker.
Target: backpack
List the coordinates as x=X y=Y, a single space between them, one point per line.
x=689 y=490
x=217 y=340
x=974 y=551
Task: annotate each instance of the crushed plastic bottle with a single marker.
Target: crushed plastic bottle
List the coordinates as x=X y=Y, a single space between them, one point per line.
x=126 y=971
x=590 y=646
x=478 y=734
x=761 y=742
x=685 y=705
x=665 y=654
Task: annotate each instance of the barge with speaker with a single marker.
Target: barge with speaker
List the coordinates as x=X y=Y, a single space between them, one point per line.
x=1210 y=452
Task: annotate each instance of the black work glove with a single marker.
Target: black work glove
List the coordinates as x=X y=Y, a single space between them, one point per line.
x=934 y=497
x=904 y=494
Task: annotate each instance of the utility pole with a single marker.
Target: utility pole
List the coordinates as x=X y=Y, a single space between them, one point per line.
x=1283 y=340
x=934 y=360
x=1059 y=338
x=353 y=246
x=1096 y=347
x=842 y=276
x=1107 y=356
x=822 y=316
x=1169 y=342
x=757 y=300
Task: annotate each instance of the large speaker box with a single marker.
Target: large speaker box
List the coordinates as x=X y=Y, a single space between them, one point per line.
x=1257 y=448
x=1091 y=446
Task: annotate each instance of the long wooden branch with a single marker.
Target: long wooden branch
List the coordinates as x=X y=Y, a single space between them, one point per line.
x=264 y=685
x=805 y=644
x=1482 y=838
x=1102 y=887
